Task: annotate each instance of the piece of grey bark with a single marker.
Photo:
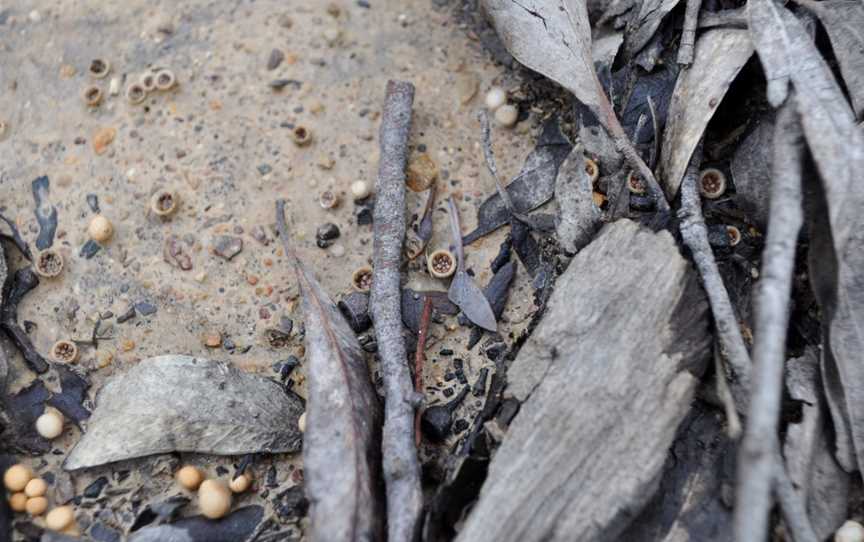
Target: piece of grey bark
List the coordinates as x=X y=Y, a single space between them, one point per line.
x=578 y=215
x=605 y=383
x=844 y=23
x=719 y=56
x=823 y=484
x=751 y=170
x=178 y=403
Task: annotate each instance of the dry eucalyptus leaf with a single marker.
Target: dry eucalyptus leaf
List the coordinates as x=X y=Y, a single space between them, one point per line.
x=184 y=404
x=719 y=56
x=751 y=170
x=341 y=449
x=644 y=25
x=463 y=291
x=788 y=55
x=844 y=22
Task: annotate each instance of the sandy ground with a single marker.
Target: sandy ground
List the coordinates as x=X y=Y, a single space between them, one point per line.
x=220 y=139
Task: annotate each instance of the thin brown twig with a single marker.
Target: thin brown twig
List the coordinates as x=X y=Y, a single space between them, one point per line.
x=401 y=467
x=419 y=360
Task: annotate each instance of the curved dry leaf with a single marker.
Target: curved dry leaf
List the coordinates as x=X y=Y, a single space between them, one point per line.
x=644 y=25
x=341 y=450
x=788 y=55
x=463 y=291
x=720 y=55
x=185 y=404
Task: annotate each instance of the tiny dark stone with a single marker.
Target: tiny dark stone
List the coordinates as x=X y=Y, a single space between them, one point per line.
x=479 y=387
x=286 y=367
x=448 y=392
x=291 y=503
x=460 y=376
x=286 y=325
x=279 y=84
x=364 y=4
x=327 y=232
x=93 y=202
x=275 y=58
x=227 y=246
x=276 y=337
x=448 y=376
x=364 y=217
x=229 y=345
x=264 y=169
x=126 y=316
x=259 y=234
x=95 y=488
x=145 y=308
x=89 y=249
x=494 y=350
x=458 y=364
x=446 y=352
x=271 y=477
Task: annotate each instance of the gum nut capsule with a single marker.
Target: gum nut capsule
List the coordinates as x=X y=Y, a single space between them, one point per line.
x=301 y=135
x=60 y=518
x=64 y=351
x=16 y=477
x=734 y=235
x=100 y=229
x=37 y=487
x=165 y=79
x=240 y=483
x=301 y=422
x=50 y=424
x=99 y=68
x=18 y=502
x=592 y=170
x=36 y=506
x=164 y=202
x=712 y=183
x=148 y=81
x=506 y=115
x=635 y=184
x=361 y=279
x=850 y=531
x=360 y=189
x=441 y=264
x=214 y=499
x=92 y=95
x=49 y=263
x=136 y=93
x=328 y=199
x=189 y=477
x=495 y=98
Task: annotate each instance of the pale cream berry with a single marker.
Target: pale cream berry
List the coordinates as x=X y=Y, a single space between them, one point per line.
x=100 y=229
x=189 y=477
x=16 y=477
x=506 y=115
x=850 y=531
x=60 y=518
x=18 y=502
x=36 y=506
x=37 y=487
x=50 y=424
x=240 y=483
x=360 y=189
x=495 y=98
x=301 y=423
x=214 y=499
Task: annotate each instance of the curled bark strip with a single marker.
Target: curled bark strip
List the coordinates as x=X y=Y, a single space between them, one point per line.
x=341 y=455
x=760 y=447
x=401 y=467
x=23 y=281
x=688 y=34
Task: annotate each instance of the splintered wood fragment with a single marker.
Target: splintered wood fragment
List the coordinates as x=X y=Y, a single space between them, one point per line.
x=401 y=467
x=694 y=233
x=760 y=447
x=603 y=396
x=688 y=34
x=341 y=450
x=178 y=403
x=578 y=216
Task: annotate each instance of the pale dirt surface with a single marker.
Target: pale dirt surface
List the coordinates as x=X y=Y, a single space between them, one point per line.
x=209 y=139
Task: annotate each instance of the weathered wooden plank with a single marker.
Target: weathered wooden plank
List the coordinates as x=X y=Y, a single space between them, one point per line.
x=606 y=378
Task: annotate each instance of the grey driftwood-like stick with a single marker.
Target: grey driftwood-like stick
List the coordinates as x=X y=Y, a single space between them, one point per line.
x=792 y=506
x=688 y=34
x=760 y=447
x=694 y=232
x=401 y=467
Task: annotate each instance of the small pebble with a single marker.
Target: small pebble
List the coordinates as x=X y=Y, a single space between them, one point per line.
x=421 y=173
x=240 y=483
x=60 y=518
x=326 y=233
x=37 y=487
x=506 y=115
x=276 y=57
x=495 y=98
x=213 y=339
x=301 y=422
x=227 y=246
x=214 y=499
x=850 y=531
x=114 y=86
x=360 y=189
x=50 y=424
x=16 y=477
x=36 y=506
x=337 y=250
x=189 y=477
x=100 y=229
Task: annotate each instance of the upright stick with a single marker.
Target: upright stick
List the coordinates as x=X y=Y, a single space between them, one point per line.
x=401 y=467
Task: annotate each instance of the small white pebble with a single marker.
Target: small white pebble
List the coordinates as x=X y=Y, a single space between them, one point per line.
x=100 y=229
x=851 y=531
x=495 y=98
x=360 y=189
x=506 y=115
x=337 y=250
x=114 y=86
x=35 y=16
x=301 y=422
x=50 y=424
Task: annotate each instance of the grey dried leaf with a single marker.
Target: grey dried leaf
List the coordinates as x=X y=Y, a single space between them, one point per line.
x=643 y=26
x=751 y=170
x=341 y=450
x=720 y=54
x=185 y=404
x=464 y=292
x=788 y=55
x=578 y=217
x=844 y=22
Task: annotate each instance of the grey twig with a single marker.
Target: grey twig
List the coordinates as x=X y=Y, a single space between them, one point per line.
x=688 y=35
x=760 y=448
x=791 y=504
x=733 y=421
x=695 y=236
x=655 y=123
x=401 y=467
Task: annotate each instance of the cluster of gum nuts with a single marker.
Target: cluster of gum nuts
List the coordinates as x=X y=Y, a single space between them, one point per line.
x=28 y=495
x=214 y=496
